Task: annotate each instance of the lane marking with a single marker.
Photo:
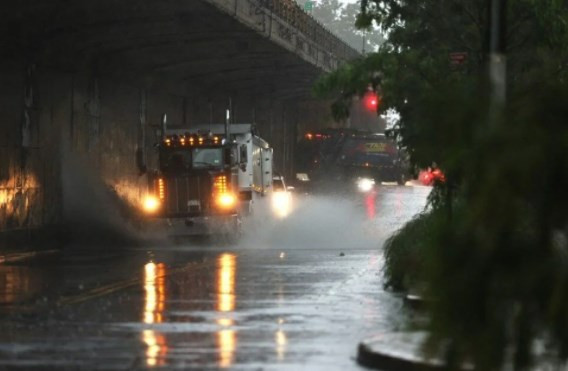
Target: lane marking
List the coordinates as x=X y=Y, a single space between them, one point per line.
x=16 y=257
x=121 y=285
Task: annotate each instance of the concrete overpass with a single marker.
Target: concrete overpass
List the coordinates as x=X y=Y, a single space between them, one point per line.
x=88 y=78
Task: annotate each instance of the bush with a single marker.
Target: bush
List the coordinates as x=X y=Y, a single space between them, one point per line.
x=404 y=254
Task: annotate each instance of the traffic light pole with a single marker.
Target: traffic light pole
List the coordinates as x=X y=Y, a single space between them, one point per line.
x=497 y=52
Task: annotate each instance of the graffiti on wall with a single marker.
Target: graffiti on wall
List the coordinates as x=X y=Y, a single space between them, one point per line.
x=20 y=191
x=20 y=202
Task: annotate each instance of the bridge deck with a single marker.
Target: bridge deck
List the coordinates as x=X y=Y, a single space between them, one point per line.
x=253 y=46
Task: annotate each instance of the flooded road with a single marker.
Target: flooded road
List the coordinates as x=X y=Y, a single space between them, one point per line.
x=296 y=293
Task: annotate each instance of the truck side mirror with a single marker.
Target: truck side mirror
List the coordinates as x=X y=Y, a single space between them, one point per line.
x=140 y=164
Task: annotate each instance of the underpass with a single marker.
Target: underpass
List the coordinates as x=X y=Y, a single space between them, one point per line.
x=92 y=80
x=86 y=86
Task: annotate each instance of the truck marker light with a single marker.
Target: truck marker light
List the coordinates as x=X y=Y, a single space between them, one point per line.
x=161 y=189
x=220 y=184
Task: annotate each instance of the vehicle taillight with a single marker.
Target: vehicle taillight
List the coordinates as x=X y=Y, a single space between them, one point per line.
x=161 y=189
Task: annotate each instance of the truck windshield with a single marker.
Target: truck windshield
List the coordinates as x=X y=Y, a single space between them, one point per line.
x=175 y=161
x=207 y=157
x=183 y=160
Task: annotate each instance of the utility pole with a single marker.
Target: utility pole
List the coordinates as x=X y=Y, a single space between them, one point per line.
x=497 y=52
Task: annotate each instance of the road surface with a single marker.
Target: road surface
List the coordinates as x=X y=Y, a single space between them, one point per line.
x=295 y=293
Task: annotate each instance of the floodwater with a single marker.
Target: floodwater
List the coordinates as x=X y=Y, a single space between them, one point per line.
x=297 y=292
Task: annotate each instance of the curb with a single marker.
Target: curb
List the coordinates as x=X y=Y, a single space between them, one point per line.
x=416 y=302
x=21 y=256
x=402 y=351
x=398 y=351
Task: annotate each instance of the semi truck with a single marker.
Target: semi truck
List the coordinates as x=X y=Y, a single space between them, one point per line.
x=208 y=178
x=335 y=158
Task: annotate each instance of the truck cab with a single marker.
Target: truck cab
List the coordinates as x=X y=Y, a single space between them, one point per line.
x=207 y=177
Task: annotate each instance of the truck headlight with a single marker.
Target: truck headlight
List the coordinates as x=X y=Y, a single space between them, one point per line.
x=151 y=204
x=365 y=184
x=226 y=200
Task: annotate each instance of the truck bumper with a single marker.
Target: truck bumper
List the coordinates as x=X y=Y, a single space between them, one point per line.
x=202 y=225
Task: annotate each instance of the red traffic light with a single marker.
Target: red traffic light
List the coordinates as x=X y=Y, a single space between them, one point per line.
x=371 y=101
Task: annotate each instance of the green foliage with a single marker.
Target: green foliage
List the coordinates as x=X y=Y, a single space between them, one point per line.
x=499 y=266
x=493 y=249
x=340 y=19
x=415 y=63
x=349 y=80
x=404 y=255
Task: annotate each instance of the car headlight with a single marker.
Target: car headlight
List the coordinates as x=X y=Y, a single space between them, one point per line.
x=365 y=184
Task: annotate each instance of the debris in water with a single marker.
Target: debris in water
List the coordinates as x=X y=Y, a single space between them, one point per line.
x=342 y=254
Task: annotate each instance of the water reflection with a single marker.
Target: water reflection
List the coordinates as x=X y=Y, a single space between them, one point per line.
x=226 y=337
x=370 y=202
x=18 y=284
x=157 y=348
x=281 y=341
x=154 y=306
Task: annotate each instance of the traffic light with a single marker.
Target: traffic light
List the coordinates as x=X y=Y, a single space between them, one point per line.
x=371 y=101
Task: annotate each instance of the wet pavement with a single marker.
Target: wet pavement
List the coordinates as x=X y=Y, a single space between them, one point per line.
x=295 y=293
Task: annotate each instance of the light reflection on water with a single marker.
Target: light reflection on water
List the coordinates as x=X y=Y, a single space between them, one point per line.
x=370 y=205
x=18 y=284
x=281 y=343
x=154 y=306
x=226 y=337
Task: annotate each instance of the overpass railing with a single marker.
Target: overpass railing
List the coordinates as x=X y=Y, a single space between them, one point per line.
x=290 y=12
x=285 y=22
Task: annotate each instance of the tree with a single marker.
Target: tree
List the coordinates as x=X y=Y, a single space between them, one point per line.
x=495 y=249
x=415 y=61
x=340 y=19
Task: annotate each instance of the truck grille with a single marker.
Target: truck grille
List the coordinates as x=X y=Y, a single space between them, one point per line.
x=187 y=195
